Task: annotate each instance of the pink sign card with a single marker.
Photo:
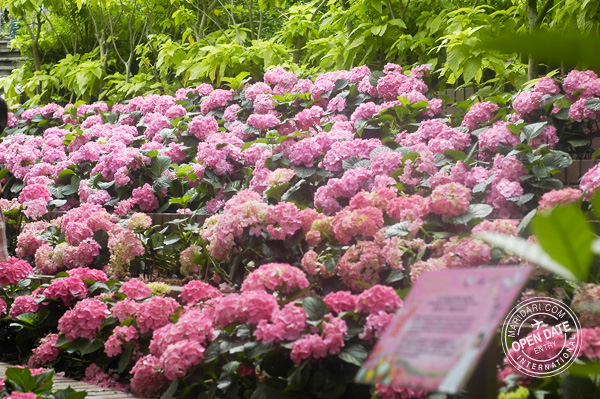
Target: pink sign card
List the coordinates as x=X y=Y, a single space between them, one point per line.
x=436 y=339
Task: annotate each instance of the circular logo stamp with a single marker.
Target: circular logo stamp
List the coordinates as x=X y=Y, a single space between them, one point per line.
x=540 y=337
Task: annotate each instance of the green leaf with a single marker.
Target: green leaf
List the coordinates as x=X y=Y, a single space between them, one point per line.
x=44 y=381
x=593 y=104
x=566 y=235
x=161 y=183
x=375 y=76
x=533 y=130
x=21 y=379
x=304 y=172
x=355 y=354
x=170 y=392
x=525 y=221
x=557 y=159
x=527 y=250
x=65 y=176
x=69 y=393
x=159 y=164
x=456 y=155
x=315 y=308
x=277 y=191
x=585 y=370
x=397 y=230
x=578 y=388
x=470 y=68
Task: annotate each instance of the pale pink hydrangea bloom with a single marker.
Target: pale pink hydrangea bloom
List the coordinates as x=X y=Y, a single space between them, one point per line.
x=378 y=298
x=502 y=226
x=203 y=126
x=527 y=102
x=497 y=134
x=432 y=264
x=139 y=221
x=280 y=277
x=479 y=113
x=348 y=223
x=555 y=198
x=88 y=274
x=311 y=345
x=96 y=376
x=125 y=309
x=187 y=260
x=375 y=325
x=584 y=300
x=287 y=325
x=362 y=262
x=145 y=198
x=120 y=335
x=590 y=342
x=450 y=200
x=586 y=82
x=546 y=85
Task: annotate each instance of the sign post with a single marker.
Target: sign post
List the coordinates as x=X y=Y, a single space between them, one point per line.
x=446 y=328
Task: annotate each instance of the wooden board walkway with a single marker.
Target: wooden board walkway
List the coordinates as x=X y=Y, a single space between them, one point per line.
x=93 y=391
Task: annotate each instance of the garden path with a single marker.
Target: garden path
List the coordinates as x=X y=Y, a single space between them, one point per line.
x=93 y=391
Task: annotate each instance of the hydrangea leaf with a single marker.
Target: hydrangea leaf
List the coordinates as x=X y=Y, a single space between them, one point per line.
x=566 y=235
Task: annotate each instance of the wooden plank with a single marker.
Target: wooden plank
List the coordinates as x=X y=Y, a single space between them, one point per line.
x=92 y=390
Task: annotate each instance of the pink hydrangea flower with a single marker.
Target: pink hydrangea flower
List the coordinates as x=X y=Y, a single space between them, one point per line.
x=14 y=270
x=249 y=307
x=179 y=357
x=66 y=289
x=562 y=197
x=378 y=298
x=280 y=277
x=196 y=291
x=375 y=325
x=45 y=352
x=85 y=273
x=341 y=301
x=135 y=289
x=125 y=309
x=450 y=200
x=23 y=304
x=361 y=263
x=84 y=320
x=145 y=198
x=147 y=377
x=287 y=325
x=363 y=222
x=479 y=113
x=155 y=313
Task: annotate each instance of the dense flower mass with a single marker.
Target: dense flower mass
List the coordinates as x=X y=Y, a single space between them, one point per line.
x=301 y=211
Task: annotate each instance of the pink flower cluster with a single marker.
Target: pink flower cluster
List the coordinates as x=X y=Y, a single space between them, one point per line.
x=84 y=320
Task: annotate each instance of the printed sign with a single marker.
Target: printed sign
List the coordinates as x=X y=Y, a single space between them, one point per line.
x=448 y=318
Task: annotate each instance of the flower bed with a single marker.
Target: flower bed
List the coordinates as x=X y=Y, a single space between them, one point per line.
x=324 y=201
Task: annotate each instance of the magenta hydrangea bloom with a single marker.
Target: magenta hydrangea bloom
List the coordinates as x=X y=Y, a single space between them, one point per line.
x=45 y=352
